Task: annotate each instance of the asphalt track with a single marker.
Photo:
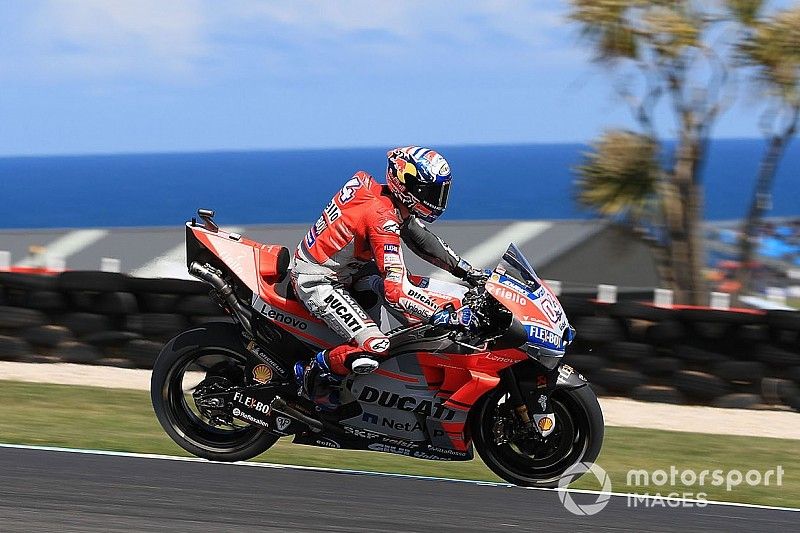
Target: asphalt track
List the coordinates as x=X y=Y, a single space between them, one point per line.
x=47 y=490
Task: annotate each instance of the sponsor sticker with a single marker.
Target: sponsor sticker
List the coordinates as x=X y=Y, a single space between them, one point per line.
x=391 y=249
x=332 y=212
x=252 y=403
x=361 y=433
x=499 y=359
x=345 y=312
x=422 y=297
x=542 y=401
x=394 y=274
x=289 y=320
x=282 y=423
x=391 y=259
x=465 y=316
x=238 y=413
x=391 y=226
x=262 y=374
x=311 y=237
x=544 y=336
x=503 y=292
x=434 y=409
x=378 y=345
x=545 y=423
x=564 y=372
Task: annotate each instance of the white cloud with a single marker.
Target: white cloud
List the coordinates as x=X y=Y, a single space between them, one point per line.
x=187 y=40
x=101 y=36
x=526 y=21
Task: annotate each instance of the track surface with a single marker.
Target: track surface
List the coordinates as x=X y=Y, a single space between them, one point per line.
x=58 y=491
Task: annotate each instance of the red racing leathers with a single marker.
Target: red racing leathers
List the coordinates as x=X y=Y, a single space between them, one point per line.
x=362 y=224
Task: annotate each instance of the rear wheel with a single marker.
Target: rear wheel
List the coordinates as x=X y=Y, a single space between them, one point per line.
x=526 y=458
x=188 y=391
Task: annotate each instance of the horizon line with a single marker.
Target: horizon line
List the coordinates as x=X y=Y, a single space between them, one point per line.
x=323 y=148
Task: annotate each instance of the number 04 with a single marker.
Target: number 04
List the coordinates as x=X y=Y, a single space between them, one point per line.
x=349 y=190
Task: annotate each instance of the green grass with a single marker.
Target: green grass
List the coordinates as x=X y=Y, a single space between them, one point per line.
x=123 y=420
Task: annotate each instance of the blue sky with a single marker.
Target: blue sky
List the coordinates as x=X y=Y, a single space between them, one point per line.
x=95 y=76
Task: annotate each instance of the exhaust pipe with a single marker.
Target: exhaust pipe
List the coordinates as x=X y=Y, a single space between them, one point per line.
x=212 y=277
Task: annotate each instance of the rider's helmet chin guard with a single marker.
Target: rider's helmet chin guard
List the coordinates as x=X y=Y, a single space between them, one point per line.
x=419 y=178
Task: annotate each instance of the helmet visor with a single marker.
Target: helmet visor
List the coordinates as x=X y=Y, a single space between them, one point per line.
x=434 y=196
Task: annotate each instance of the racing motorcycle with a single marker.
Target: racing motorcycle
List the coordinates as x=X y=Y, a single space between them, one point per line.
x=226 y=390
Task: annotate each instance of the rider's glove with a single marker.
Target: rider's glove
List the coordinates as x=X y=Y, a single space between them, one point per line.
x=475 y=277
x=449 y=317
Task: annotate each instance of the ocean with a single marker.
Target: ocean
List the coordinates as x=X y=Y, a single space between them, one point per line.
x=259 y=187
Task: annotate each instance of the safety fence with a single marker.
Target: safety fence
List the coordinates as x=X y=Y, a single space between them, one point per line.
x=671 y=354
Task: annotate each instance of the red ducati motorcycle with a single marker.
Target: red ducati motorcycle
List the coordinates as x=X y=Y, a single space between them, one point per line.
x=226 y=391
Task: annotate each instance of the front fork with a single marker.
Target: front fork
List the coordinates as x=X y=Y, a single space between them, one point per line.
x=530 y=396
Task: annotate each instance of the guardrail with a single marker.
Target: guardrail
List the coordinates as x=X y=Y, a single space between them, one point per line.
x=674 y=354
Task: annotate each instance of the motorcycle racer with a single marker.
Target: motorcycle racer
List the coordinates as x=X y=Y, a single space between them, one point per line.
x=366 y=222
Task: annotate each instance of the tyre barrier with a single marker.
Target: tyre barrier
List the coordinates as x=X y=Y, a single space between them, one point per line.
x=629 y=348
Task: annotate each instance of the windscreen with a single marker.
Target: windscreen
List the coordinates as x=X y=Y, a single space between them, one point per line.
x=521 y=266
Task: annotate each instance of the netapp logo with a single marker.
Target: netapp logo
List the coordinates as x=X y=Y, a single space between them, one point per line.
x=406 y=403
x=289 y=320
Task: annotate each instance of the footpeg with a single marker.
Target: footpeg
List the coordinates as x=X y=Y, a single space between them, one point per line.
x=279 y=404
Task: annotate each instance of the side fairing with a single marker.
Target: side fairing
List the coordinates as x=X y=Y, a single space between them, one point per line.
x=401 y=399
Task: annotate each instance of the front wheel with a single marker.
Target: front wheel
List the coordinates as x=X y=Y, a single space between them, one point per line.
x=208 y=358
x=527 y=458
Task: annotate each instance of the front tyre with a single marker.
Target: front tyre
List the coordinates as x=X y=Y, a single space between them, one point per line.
x=209 y=353
x=531 y=460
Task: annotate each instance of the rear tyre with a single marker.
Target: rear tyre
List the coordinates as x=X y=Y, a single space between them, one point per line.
x=578 y=437
x=174 y=406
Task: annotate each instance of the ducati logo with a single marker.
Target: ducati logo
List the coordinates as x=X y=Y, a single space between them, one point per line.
x=434 y=409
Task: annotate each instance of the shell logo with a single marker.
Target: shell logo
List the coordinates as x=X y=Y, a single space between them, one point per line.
x=262 y=374
x=545 y=424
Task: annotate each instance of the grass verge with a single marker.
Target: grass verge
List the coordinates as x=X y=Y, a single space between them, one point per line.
x=123 y=420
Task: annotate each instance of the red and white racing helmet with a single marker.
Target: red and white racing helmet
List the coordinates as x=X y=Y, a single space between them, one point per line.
x=420 y=179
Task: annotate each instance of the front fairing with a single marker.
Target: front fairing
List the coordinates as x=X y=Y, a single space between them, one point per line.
x=519 y=289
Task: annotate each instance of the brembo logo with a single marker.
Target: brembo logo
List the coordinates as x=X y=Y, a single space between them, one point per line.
x=406 y=403
x=289 y=320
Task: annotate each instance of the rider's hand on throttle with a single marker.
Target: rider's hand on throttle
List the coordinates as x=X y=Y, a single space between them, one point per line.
x=448 y=316
x=477 y=277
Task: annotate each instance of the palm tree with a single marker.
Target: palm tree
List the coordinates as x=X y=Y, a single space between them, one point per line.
x=619 y=178
x=662 y=45
x=772 y=49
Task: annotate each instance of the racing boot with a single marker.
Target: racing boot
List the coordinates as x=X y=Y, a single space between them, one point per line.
x=317 y=382
x=364 y=364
